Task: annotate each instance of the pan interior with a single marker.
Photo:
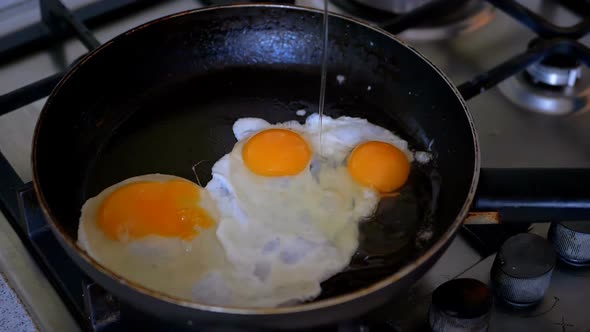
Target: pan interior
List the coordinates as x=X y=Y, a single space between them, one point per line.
x=191 y=123
x=164 y=97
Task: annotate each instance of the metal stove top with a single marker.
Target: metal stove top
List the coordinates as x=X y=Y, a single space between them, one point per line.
x=509 y=137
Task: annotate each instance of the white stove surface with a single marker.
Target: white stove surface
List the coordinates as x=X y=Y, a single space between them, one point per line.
x=509 y=137
x=13 y=315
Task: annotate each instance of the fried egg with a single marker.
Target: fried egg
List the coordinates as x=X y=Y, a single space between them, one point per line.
x=289 y=210
x=156 y=230
x=279 y=216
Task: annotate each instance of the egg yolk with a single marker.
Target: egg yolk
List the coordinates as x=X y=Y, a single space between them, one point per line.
x=276 y=152
x=168 y=209
x=379 y=165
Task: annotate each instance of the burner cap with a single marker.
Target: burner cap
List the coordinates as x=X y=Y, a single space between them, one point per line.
x=538 y=95
x=556 y=70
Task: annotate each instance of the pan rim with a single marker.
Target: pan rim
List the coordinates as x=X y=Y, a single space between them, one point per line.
x=325 y=303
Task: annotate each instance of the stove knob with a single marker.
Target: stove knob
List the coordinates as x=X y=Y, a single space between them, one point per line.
x=571 y=241
x=461 y=305
x=522 y=269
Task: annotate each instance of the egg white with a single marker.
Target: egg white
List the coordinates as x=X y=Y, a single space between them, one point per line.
x=166 y=264
x=285 y=235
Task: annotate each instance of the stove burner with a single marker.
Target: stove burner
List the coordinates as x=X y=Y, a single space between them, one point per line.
x=557 y=70
x=472 y=15
x=394 y=6
x=557 y=85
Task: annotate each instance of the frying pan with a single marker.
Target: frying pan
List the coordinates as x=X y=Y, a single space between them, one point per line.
x=163 y=97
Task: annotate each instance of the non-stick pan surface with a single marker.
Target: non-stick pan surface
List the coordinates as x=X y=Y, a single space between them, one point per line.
x=163 y=97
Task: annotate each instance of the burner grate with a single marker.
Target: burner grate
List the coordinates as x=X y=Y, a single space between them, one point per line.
x=41 y=35
x=552 y=40
x=64 y=274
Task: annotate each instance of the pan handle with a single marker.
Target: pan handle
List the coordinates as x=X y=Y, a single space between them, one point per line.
x=531 y=195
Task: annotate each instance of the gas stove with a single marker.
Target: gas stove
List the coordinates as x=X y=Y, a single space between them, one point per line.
x=528 y=112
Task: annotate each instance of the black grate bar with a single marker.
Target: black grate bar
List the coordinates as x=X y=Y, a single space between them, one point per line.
x=38 y=35
x=489 y=79
x=60 y=269
x=581 y=51
x=539 y=24
x=578 y=6
x=537 y=52
x=60 y=19
x=9 y=183
x=517 y=194
x=28 y=94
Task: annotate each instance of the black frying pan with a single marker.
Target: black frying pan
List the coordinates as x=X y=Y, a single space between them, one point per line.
x=164 y=96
